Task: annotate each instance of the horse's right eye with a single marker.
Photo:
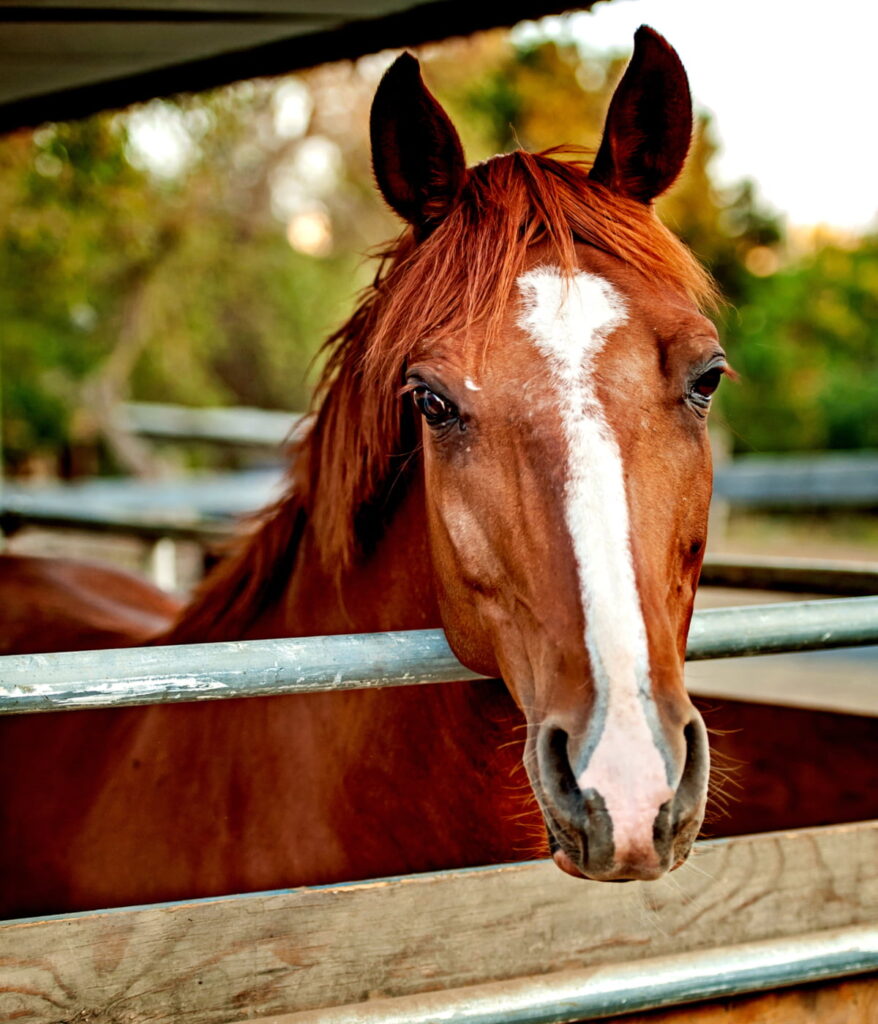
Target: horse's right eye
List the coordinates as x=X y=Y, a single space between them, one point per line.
x=435 y=409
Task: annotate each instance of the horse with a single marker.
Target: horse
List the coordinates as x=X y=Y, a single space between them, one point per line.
x=509 y=441
x=58 y=604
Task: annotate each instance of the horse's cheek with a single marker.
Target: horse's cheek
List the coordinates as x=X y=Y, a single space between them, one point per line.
x=468 y=572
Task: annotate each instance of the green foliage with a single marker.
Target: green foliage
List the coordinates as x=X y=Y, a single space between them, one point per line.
x=804 y=343
x=721 y=227
x=179 y=288
x=72 y=205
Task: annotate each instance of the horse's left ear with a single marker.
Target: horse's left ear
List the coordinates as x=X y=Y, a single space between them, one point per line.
x=649 y=123
x=416 y=152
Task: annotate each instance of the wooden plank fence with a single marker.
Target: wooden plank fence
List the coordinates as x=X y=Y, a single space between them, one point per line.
x=514 y=943
x=758 y=480
x=238 y=426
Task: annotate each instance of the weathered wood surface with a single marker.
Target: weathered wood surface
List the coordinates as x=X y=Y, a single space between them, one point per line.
x=810 y=480
x=791 y=575
x=235 y=959
x=260 y=428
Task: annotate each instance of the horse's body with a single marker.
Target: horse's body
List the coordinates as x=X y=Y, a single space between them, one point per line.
x=61 y=605
x=149 y=804
x=542 y=495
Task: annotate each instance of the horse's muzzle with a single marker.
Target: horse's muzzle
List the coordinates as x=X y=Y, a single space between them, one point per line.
x=646 y=832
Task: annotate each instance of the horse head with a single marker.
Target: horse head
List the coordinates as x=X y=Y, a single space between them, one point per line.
x=558 y=381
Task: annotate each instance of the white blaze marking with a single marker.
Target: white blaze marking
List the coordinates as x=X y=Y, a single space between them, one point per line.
x=570 y=321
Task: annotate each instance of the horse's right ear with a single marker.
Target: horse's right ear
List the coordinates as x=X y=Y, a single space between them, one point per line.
x=416 y=152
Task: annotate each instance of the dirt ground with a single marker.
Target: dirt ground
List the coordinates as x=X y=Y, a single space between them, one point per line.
x=840 y=535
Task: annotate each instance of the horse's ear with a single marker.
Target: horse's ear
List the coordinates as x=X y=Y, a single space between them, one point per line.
x=649 y=123
x=416 y=152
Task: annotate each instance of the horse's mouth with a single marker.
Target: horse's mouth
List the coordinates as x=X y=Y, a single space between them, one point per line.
x=583 y=847
x=568 y=846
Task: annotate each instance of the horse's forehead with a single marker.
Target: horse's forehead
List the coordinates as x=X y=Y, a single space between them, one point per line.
x=552 y=318
x=657 y=304
x=603 y=307
x=569 y=317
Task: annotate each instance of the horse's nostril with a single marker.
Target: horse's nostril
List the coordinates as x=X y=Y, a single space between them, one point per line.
x=662 y=834
x=558 y=756
x=557 y=778
x=693 y=781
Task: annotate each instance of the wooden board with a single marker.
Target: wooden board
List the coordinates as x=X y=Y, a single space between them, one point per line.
x=239 y=958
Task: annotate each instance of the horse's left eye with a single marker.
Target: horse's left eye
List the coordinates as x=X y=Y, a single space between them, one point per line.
x=702 y=388
x=435 y=409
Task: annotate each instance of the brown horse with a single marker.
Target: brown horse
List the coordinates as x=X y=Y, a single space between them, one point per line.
x=509 y=442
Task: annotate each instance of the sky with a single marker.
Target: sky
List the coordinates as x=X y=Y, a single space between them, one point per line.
x=792 y=85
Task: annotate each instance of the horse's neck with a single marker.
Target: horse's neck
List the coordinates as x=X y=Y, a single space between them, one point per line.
x=391 y=587
x=453 y=752
x=457 y=726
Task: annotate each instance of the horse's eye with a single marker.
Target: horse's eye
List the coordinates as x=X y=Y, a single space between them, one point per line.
x=702 y=388
x=435 y=409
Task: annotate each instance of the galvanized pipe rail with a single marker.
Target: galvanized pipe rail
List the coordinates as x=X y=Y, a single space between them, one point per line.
x=154 y=675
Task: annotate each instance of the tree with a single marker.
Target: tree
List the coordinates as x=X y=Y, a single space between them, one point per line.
x=118 y=281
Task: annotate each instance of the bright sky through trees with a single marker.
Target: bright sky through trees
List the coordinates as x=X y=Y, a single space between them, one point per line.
x=793 y=85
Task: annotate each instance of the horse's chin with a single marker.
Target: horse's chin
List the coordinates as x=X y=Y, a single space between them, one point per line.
x=566 y=864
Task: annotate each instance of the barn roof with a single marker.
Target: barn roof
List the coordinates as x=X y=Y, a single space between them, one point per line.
x=61 y=59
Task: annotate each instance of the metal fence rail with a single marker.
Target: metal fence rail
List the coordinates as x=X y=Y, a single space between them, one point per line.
x=154 y=675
